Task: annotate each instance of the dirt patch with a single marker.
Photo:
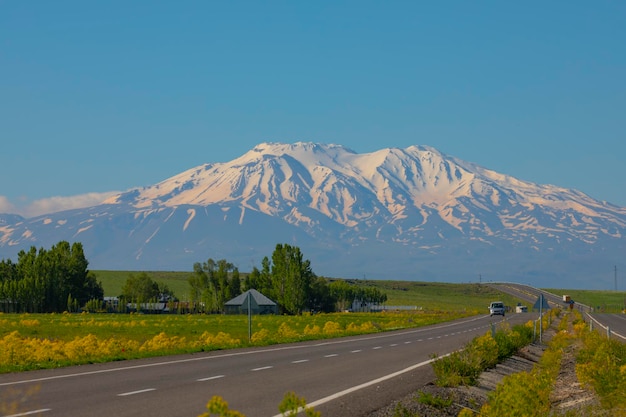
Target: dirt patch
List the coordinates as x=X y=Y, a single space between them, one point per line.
x=569 y=396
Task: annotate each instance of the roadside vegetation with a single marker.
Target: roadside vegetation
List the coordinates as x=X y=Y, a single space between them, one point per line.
x=528 y=393
x=600 y=369
x=463 y=367
x=600 y=301
x=38 y=341
x=601 y=366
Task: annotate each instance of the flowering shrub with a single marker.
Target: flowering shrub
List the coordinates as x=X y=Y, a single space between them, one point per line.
x=19 y=352
x=218 y=407
x=261 y=336
x=312 y=330
x=292 y=405
x=528 y=393
x=332 y=327
x=207 y=341
x=286 y=332
x=163 y=343
x=465 y=366
x=601 y=364
x=366 y=327
x=29 y=323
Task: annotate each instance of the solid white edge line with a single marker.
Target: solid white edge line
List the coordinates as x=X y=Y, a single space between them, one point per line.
x=364 y=385
x=605 y=327
x=28 y=413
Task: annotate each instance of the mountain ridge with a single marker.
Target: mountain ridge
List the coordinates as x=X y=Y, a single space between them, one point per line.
x=405 y=204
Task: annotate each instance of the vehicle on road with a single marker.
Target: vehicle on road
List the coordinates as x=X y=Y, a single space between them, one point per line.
x=496 y=308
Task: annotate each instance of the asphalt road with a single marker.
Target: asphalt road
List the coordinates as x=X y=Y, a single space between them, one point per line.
x=613 y=324
x=531 y=294
x=349 y=376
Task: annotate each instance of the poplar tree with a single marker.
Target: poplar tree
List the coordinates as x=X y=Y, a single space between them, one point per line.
x=43 y=280
x=291 y=278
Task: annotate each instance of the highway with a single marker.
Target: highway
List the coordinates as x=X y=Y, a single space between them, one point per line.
x=613 y=324
x=349 y=376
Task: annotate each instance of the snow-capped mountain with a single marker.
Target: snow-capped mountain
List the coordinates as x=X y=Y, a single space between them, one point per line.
x=411 y=213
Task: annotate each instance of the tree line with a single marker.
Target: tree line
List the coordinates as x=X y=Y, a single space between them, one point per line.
x=48 y=281
x=286 y=278
x=57 y=280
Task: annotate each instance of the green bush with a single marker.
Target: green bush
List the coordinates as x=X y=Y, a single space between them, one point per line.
x=433 y=400
x=465 y=366
x=527 y=394
x=601 y=364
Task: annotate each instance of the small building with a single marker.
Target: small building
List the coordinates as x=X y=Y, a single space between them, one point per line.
x=148 y=308
x=252 y=299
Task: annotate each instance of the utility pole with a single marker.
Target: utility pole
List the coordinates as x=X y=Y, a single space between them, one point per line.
x=615 y=277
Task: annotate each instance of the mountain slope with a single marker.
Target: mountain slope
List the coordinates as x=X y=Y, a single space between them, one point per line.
x=411 y=213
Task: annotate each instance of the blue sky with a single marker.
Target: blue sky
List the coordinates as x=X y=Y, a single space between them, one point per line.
x=103 y=96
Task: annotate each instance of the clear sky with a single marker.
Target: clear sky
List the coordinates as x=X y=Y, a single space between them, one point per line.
x=101 y=96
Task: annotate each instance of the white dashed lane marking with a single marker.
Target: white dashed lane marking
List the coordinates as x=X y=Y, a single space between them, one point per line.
x=263 y=368
x=210 y=378
x=30 y=413
x=141 y=391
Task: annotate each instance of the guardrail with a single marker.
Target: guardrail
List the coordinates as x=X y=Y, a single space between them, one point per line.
x=608 y=330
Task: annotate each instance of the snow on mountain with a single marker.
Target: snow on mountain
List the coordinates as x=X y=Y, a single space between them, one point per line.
x=384 y=187
x=393 y=213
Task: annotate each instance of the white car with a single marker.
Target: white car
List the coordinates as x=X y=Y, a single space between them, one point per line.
x=496 y=307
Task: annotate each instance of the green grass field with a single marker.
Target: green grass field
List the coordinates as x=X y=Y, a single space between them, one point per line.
x=113 y=281
x=85 y=338
x=600 y=300
x=425 y=295
x=39 y=341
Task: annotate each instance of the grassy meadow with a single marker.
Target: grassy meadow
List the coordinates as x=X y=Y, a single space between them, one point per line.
x=36 y=341
x=600 y=300
x=113 y=281
x=424 y=295
x=428 y=295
